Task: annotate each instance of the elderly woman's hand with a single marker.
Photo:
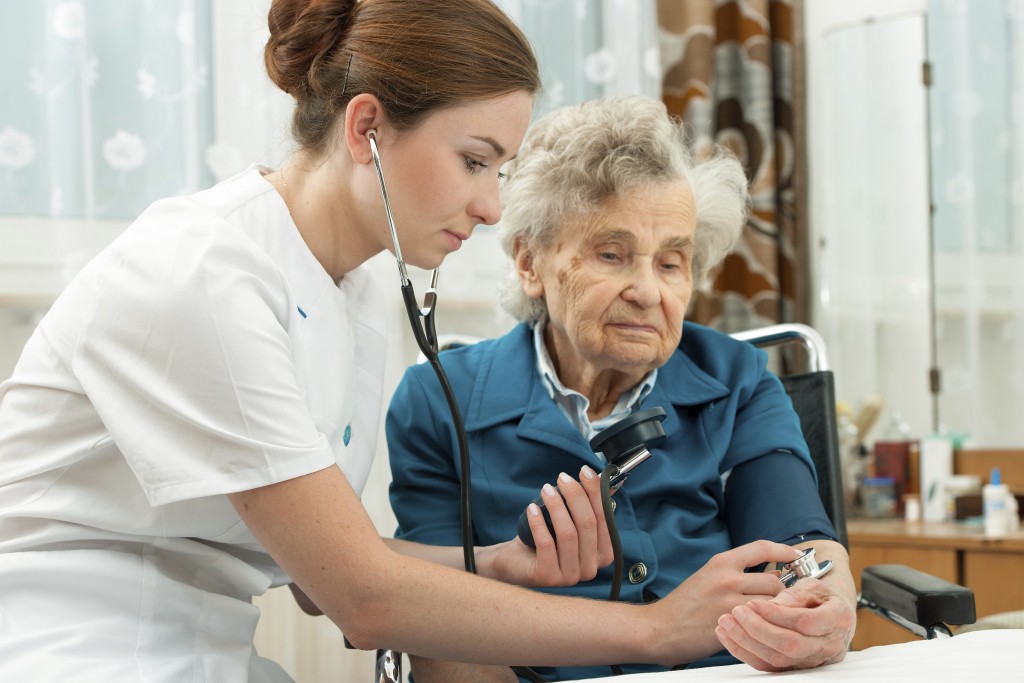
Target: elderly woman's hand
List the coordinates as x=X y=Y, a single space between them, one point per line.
x=578 y=549
x=805 y=626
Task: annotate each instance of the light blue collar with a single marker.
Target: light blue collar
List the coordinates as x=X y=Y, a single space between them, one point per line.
x=572 y=403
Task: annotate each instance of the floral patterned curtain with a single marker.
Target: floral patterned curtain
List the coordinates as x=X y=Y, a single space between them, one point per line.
x=733 y=72
x=590 y=48
x=107 y=105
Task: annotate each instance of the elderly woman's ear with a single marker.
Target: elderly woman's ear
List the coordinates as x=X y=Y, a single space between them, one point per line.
x=525 y=268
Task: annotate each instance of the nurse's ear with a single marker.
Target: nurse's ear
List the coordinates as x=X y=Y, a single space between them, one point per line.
x=526 y=268
x=362 y=114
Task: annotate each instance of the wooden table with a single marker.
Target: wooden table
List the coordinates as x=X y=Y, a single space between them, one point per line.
x=992 y=568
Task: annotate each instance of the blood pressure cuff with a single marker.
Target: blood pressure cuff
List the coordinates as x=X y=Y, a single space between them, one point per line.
x=775 y=497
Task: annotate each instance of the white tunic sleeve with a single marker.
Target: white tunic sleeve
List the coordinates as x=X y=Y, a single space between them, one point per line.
x=186 y=357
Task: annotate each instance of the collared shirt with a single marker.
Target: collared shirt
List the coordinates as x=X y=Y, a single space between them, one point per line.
x=573 y=404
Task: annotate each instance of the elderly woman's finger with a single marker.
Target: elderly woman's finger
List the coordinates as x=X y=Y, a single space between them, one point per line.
x=775 y=647
x=783 y=647
x=729 y=635
x=807 y=612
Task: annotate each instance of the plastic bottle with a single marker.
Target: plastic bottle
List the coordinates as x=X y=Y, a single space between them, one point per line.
x=994 y=497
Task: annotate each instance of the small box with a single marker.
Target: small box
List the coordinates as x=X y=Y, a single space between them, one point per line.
x=879 y=497
x=967 y=506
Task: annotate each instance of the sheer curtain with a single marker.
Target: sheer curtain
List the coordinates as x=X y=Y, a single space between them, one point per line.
x=590 y=48
x=107 y=105
x=868 y=142
x=977 y=146
x=905 y=289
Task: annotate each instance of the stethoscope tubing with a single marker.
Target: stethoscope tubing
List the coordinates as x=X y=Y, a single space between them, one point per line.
x=424 y=330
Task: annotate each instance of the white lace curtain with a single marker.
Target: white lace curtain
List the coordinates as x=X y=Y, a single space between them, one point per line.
x=903 y=290
x=590 y=48
x=111 y=104
x=977 y=162
x=107 y=105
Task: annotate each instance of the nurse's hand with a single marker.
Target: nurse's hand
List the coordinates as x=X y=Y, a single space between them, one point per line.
x=718 y=588
x=578 y=549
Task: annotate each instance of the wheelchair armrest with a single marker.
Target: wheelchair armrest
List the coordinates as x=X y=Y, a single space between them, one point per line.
x=918 y=598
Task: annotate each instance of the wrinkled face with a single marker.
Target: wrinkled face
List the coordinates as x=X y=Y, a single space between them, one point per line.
x=617 y=282
x=442 y=176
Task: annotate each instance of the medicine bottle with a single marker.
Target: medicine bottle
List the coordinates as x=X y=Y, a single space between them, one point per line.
x=994 y=497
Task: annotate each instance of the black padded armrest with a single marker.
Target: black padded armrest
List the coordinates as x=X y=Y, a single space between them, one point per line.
x=921 y=598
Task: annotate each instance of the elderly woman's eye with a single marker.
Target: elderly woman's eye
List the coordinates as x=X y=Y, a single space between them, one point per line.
x=673 y=264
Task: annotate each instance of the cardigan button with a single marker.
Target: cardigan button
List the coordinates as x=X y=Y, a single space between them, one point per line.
x=638 y=572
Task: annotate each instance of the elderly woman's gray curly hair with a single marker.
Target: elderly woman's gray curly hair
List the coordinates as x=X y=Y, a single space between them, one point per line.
x=576 y=157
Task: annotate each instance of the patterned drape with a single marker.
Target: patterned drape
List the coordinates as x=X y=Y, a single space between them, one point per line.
x=107 y=106
x=733 y=71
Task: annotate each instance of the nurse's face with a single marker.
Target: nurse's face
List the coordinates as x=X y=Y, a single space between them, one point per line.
x=443 y=175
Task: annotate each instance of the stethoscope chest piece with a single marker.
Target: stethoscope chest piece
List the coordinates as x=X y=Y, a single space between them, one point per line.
x=804 y=567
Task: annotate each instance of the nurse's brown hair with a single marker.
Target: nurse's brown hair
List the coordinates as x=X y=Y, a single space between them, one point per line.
x=415 y=56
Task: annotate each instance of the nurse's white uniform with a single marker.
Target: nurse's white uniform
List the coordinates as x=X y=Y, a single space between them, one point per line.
x=204 y=352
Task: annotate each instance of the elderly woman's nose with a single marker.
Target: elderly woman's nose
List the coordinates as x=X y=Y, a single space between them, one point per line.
x=643 y=287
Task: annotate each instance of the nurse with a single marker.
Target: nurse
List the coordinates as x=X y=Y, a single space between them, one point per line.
x=194 y=419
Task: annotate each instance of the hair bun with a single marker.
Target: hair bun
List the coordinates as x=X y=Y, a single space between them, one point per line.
x=302 y=32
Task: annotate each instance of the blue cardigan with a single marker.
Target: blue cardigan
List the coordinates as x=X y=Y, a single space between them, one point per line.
x=728 y=420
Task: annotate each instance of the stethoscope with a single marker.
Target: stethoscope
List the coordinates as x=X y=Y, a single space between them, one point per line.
x=625 y=444
x=421 y=319
x=804 y=567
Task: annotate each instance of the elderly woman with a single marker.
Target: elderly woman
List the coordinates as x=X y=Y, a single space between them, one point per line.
x=609 y=223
